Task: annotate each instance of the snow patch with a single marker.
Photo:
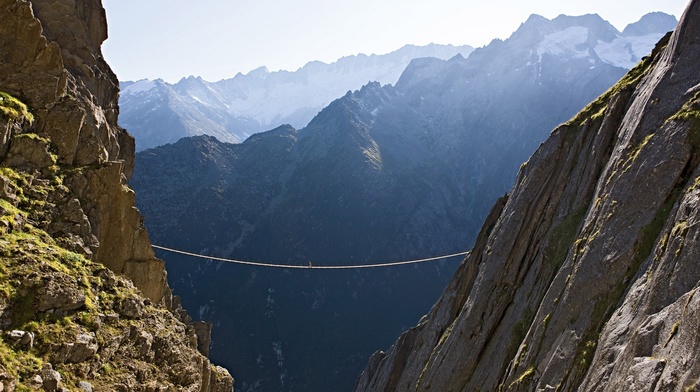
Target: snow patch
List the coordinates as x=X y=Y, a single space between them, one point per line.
x=565 y=43
x=139 y=87
x=626 y=52
x=315 y=85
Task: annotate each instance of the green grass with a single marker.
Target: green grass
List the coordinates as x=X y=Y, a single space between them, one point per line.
x=18 y=364
x=674 y=331
x=596 y=109
x=13 y=109
x=696 y=183
x=527 y=374
x=27 y=254
x=34 y=136
x=690 y=110
x=562 y=240
x=545 y=320
x=638 y=148
x=519 y=331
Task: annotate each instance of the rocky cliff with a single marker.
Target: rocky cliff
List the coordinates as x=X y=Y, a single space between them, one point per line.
x=83 y=300
x=584 y=277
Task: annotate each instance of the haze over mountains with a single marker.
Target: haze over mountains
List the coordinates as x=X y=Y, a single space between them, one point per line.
x=382 y=173
x=157 y=112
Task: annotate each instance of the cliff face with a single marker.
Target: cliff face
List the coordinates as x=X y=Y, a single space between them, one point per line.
x=53 y=64
x=585 y=277
x=66 y=212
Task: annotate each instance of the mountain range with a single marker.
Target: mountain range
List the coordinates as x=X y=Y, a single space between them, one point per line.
x=383 y=173
x=157 y=112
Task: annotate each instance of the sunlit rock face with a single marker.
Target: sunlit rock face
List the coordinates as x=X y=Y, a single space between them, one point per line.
x=84 y=303
x=585 y=276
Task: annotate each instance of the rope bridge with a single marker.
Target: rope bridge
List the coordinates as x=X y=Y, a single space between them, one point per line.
x=310 y=266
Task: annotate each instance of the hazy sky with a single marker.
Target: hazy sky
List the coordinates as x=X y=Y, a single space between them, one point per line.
x=216 y=39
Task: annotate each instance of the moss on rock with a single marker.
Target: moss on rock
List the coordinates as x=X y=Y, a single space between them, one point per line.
x=13 y=109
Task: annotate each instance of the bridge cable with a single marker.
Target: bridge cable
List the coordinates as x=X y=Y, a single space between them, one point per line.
x=310 y=266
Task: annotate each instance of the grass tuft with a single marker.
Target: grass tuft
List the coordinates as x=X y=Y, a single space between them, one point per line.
x=13 y=109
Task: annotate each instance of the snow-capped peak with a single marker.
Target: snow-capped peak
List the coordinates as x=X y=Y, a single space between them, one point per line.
x=140 y=86
x=592 y=37
x=569 y=42
x=259 y=73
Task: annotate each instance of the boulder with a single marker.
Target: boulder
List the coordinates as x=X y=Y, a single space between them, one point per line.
x=30 y=152
x=51 y=378
x=22 y=340
x=59 y=293
x=82 y=348
x=221 y=380
x=143 y=342
x=132 y=308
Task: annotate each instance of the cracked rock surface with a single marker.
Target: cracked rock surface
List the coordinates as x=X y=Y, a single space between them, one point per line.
x=586 y=278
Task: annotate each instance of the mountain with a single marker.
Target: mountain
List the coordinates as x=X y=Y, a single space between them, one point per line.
x=649 y=24
x=383 y=173
x=585 y=276
x=157 y=112
x=84 y=302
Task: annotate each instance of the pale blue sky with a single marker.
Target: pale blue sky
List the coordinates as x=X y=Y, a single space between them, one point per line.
x=216 y=39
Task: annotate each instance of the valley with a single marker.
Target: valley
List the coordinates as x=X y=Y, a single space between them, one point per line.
x=387 y=172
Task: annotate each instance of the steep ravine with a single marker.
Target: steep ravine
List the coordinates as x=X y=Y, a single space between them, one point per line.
x=84 y=303
x=585 y=276
x=382 y=173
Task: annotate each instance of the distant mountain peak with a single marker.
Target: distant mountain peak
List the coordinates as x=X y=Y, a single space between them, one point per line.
x=233 y=109
x=260 y=72
x=139 y=86
x=651 y=23
x=536 y=27
x=534 y=20
x=591 y=37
